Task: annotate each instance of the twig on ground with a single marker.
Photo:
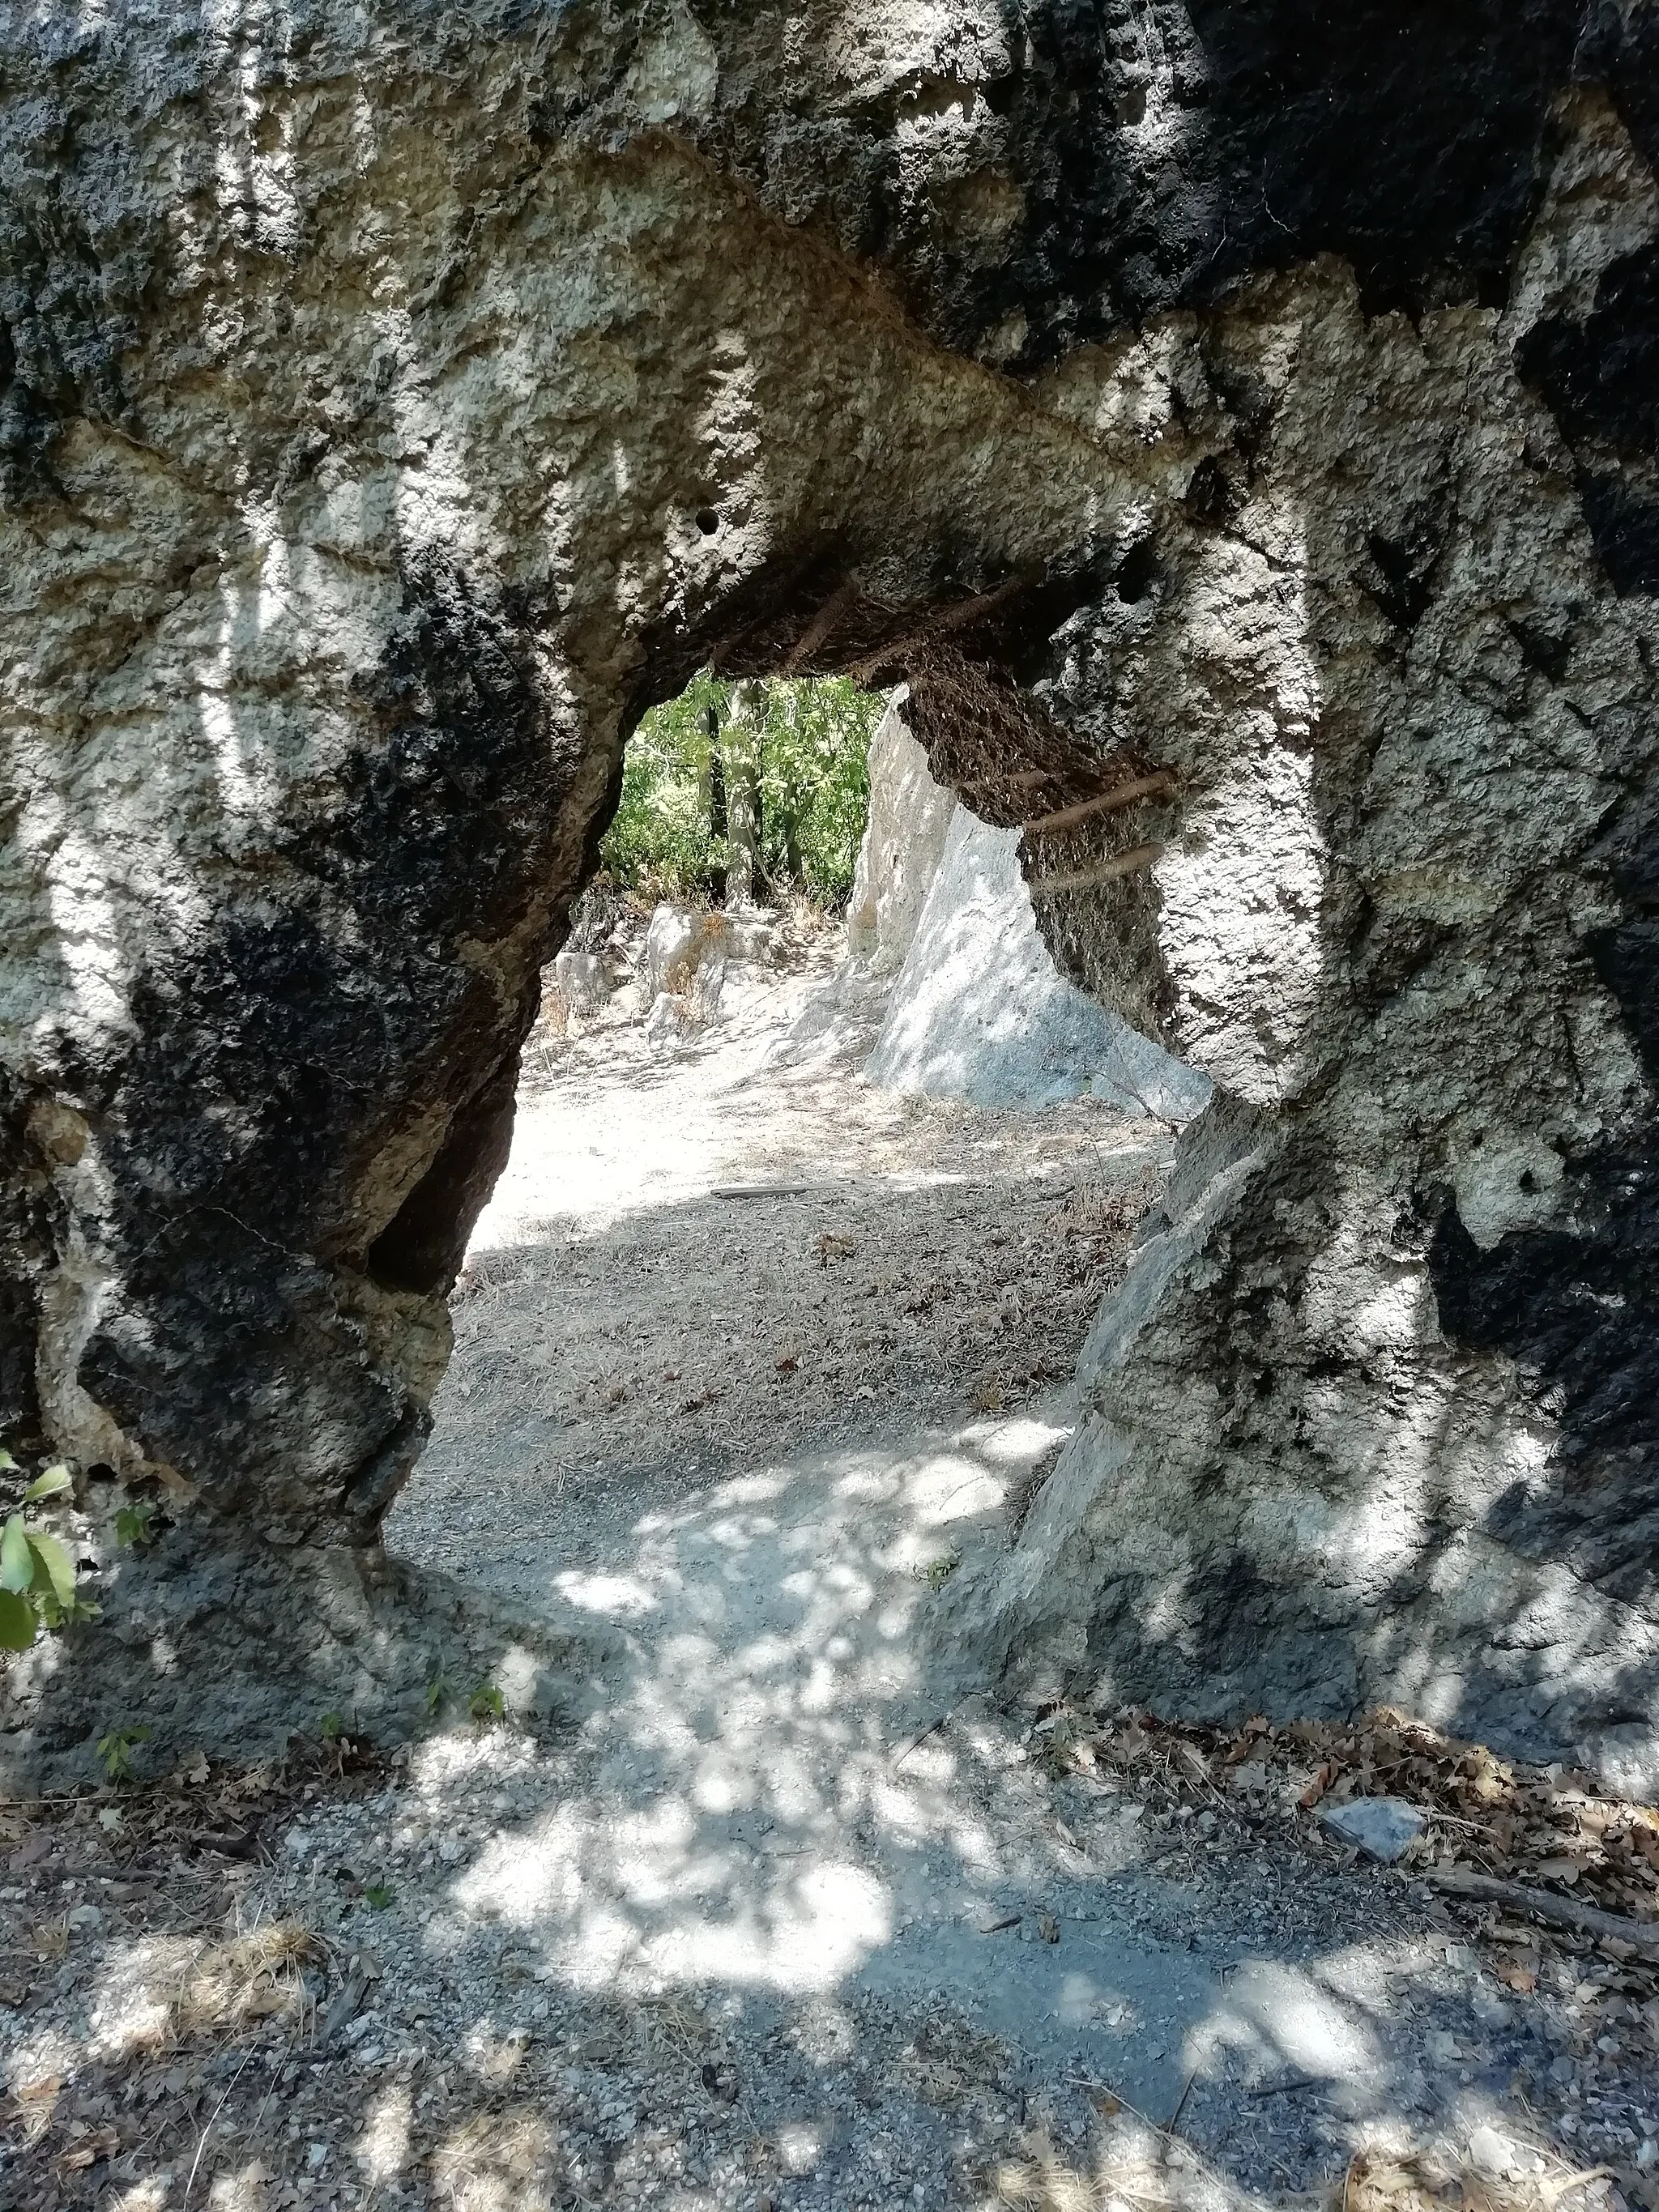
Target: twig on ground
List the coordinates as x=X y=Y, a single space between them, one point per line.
x=1170 y=2124
x=1563 y=1911
x=191 y=2183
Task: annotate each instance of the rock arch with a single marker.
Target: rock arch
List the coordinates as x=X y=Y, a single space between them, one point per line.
x=399 y=405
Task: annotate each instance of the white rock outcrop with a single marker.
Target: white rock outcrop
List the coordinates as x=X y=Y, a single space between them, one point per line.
x=899 y=854
x=978 y=1010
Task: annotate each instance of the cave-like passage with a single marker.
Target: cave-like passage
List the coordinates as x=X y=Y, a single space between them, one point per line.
x=752 y=1358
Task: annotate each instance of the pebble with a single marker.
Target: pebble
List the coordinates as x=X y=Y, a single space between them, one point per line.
x=1383 y=1827
x=1492 y=2155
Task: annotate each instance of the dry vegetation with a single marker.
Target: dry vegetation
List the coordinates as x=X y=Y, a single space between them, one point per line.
x=1546 y=1825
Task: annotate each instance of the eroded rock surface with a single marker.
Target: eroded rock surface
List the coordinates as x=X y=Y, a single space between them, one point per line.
x=1237 y=426
x=1371 y=1417
x=978 y=1010
x=904 y=833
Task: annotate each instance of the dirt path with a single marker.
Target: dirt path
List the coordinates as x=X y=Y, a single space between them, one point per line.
x=622 y=1331
x=783 y=1923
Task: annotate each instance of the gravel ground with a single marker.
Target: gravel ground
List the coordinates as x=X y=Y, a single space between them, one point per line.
x=784 y=1923
x=623 y=1334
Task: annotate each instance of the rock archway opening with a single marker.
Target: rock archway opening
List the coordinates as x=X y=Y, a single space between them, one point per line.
x=1279 y=573
x=816 y=1154
x=1233 y=427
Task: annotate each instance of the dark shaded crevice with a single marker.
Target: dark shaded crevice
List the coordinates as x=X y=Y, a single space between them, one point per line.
x=1600 y=378
x=1579 y=1314
x=316 y=1026
x=421 y=1248
x=1166 y=150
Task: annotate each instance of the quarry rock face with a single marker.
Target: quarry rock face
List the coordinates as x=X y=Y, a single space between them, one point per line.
x=904 y=832
x=978 y=1010
x=1236 y=424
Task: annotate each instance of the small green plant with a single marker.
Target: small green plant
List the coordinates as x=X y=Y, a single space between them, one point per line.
x=378 y=1894
x=439 y=1691
x=37 y=1575
x=132 y=1523
x=333 y=1727
x=937 y=1572
x=486 y=1704
x=115 y=1748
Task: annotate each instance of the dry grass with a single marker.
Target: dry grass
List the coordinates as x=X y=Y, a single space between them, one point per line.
x=499 y=2163
x=251 y=1977
x=1375 y=2182
x=1131 y=2175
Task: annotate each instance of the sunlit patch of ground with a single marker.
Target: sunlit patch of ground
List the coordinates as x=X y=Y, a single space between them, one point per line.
x=788 y=1924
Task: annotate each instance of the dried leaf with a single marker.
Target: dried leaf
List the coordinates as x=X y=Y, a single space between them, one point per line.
x=103 y=2142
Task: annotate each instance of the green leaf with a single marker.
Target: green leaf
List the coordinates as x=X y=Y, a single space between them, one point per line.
x=56 y=1563
x=379 y=1895
x=49 y=1485
x=17 y=1567
x=16 y=1622
x=6 y=1460
x=133 y=1522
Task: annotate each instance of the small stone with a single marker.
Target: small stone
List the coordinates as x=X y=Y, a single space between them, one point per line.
x=1491 y=2154
x=1443 y=2049
x=1380 y=1826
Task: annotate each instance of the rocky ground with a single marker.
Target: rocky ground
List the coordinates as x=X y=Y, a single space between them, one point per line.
x=703 y=1255
x=788 y=1920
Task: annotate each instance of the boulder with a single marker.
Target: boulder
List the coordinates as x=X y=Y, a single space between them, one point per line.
x=685 y=955
x=751 y=935
x=583 y=981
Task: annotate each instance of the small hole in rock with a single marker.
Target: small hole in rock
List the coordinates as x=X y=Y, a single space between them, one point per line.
x=1137 y=572
x=708 y=521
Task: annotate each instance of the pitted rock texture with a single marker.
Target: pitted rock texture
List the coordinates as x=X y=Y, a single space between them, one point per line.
x=1372 y=1416
x=1234 y=427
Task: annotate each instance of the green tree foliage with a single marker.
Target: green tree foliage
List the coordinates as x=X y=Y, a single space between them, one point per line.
x=668 y=840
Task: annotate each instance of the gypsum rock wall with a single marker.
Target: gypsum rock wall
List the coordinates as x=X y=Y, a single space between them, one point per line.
x=978 y=1010
x=1373 y=1415
x=391 y=468
x=906 y=824
x=1236 y=429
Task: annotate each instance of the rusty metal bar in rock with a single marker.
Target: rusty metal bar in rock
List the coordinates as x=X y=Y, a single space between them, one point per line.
x=1125 y=794
x=1104 y=871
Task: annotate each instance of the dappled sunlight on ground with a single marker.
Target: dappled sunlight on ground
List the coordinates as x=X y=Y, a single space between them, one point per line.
x=788 y=1915
x=785 y=1919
